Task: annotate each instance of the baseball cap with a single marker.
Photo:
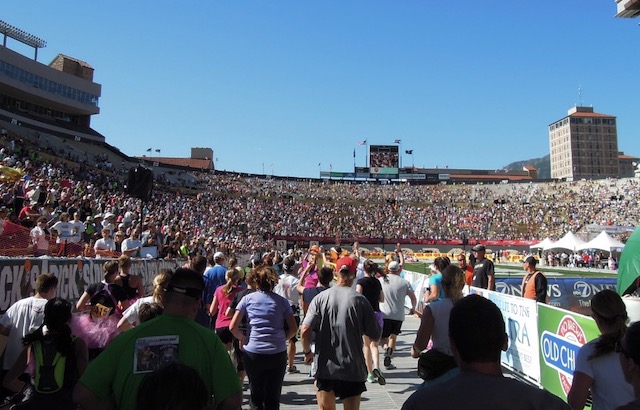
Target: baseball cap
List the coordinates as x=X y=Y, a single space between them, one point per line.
x=394 y=266
x=186 y=282
x=218 y=255
x=530 y=260
x=478 y=248
x=346 y=264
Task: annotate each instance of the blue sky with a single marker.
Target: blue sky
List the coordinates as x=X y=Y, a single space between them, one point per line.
x=282 y=86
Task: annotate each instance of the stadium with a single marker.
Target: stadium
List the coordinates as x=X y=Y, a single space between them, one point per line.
x=56 y=167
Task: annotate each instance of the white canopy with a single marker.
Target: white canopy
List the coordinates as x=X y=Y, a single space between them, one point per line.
x=604 y=242
x=545 y=242
x=568 y=241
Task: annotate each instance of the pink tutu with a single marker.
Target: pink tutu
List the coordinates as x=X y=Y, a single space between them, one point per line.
x=97 y=333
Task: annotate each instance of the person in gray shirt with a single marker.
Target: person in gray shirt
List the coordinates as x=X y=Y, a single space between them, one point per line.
x=339 y=317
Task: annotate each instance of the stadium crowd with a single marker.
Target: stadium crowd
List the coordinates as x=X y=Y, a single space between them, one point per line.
x=238 y=214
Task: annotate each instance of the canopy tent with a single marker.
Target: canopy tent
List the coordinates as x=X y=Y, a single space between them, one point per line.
x=629 y=266
x=545 y=242
x=604 y=242
x=568 y=241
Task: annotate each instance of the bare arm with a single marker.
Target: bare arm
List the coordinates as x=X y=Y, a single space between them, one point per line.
x=10 y=380
x=213 y=309
x=424 y=332
x=577 y=397
x=292 y=326
x=305 y=338
x=124 y=324
x=82 y=302
x=414 y=302
x=434 y=292
x=234 y=327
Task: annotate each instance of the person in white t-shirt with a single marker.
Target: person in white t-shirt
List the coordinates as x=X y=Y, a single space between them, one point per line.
x=25 y=316
x=78 y=228
x=39 y=238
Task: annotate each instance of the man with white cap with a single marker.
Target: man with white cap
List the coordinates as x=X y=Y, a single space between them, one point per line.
x=395 y=290
x=214 y=276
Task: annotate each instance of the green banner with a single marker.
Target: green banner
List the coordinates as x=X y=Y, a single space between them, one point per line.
x=562 y=333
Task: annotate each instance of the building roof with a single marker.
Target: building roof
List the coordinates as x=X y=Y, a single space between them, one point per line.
x=530 y=168
x=82 y=63
x=590 y=114
x=491 y=177
x=628 y=157
x=182 y=162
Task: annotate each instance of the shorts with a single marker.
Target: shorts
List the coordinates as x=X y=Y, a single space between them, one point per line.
x=391 y=327
x=224 y=334
x=379 y=319
x=341 y=388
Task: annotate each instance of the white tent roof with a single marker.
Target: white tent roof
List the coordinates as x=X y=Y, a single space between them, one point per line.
x=605 y=242
x=543 y=244
x=568 y=241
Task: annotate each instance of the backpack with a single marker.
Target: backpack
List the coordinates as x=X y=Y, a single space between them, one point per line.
x=50 y=368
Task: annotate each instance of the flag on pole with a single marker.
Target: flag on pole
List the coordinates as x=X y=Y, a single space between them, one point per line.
x=149 y=150
x=397 y=141
x=363 y=142
x=408 y=151
x=158 y=150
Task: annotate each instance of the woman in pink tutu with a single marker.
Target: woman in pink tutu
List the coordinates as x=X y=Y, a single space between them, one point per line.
x=104 y=302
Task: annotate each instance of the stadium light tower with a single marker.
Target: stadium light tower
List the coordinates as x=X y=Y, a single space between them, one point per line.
x=22 y=36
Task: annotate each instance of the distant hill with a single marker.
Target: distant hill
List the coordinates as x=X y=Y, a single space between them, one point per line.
x=542 y=164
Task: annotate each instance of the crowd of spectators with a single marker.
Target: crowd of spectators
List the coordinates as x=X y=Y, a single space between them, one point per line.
x=239 y=214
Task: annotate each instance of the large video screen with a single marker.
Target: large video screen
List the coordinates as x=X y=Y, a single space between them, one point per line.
x=384 y=159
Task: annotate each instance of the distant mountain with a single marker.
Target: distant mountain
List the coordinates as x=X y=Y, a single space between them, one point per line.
x=542 y=164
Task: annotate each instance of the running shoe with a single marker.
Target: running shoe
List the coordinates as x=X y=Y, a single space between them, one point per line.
x=371 y=378
x=378 y=375
x=292 y=370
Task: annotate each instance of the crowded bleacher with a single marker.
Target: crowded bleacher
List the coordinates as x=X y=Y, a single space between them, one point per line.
x=239 y=214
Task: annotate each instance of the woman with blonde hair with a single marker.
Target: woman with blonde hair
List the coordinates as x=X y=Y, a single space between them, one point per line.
x=270 y=323
x=434 y=325
x=597 y=367
x=222 y=298
x=133 y=285
x=130 y=317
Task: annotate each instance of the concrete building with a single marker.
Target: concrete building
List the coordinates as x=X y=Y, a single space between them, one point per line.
x=628 y=165
x=59 y=98
x=628 y=8
x=584 y=144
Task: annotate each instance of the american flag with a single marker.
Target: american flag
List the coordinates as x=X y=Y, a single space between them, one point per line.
x=397 y=141
x=363 y=142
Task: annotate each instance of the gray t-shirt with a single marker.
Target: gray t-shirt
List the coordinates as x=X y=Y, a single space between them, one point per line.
x=340 y=316
x=395 y=291
x=469 y=390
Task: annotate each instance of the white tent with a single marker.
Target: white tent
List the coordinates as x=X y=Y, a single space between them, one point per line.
x=604 y=242
x=546 y=242
x=568 y=241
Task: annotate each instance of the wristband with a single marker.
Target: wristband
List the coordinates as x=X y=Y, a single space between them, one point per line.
x=307 y=352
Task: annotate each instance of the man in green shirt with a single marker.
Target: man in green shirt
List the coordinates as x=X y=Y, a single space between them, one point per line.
x=114 y=376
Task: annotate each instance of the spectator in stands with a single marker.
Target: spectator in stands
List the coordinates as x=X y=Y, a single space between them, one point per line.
x=132 y=245
x=29 y=214
x=477 y=334
x=39 y=238
x=105 y=247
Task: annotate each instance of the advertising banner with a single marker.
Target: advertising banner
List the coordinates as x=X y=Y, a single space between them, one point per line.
x=573 y=294
x=18 y=276
x=521 y=325
x=562 y=333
